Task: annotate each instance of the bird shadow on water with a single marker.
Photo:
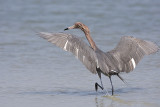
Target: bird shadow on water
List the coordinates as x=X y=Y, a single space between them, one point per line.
x=63 y=91
x=101 y=97
x=75 y=92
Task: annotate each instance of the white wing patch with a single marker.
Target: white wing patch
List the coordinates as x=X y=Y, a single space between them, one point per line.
x=114 y=71
x=77 y=52
x=97 y=63
x=65 y=46
x=133 y=62
x=83 y=58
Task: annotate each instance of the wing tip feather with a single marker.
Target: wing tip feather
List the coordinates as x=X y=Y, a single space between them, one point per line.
x=43 y=34
x=152 y=48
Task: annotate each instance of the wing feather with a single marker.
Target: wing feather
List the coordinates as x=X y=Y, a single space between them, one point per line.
x=74 y=45
x=129 y=52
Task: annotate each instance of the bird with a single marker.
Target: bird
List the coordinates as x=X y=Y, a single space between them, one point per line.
x=123 y=58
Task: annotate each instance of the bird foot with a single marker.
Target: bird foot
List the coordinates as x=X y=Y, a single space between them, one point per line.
x=97 y=85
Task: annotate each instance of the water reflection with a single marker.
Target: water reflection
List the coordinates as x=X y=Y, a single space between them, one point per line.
x=99 y=102
x=114 y=101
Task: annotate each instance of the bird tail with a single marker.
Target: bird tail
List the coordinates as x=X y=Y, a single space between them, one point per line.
x=122 y=79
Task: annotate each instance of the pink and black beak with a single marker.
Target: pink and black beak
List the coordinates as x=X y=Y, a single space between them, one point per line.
x=71 y=27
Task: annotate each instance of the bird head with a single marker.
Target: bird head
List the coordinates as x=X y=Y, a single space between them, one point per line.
x=77 y=25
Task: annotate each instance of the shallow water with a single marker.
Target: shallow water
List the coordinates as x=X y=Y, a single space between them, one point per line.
x=35 y=73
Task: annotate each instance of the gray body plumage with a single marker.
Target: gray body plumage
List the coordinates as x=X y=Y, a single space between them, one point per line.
x=123 y=58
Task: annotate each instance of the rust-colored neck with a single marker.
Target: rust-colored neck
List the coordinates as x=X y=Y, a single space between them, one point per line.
x=89 y=38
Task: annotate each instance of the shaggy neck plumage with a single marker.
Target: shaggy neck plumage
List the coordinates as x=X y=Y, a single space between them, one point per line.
x=86 y=31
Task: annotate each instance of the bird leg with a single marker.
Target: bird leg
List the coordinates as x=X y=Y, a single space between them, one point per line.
x=111 y=85
x=96 y=84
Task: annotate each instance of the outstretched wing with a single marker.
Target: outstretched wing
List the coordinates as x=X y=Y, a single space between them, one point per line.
x=75 y=45
x=129 y=52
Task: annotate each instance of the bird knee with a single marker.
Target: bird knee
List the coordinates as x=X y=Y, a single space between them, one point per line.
x=96 y=86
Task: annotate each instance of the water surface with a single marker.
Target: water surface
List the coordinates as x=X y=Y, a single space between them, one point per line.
x=35 y=73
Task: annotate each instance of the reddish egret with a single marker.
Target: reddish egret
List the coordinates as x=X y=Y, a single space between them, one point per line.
x=123 y=58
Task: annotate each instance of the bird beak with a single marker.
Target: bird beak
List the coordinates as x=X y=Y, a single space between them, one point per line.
x=71 y=27
x=66 y=29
